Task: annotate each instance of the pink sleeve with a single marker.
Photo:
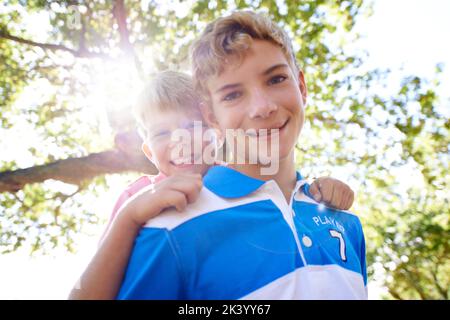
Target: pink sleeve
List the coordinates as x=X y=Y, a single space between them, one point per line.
x=124 y=196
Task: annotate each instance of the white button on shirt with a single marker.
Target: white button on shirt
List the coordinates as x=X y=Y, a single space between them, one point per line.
x=307 y=242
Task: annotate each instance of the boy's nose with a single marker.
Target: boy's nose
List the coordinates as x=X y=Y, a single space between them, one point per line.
x=261 y=106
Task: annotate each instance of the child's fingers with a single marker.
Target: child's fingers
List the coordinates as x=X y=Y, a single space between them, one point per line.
x=349 y=199
x=343 y=199
x=352 y=199
x=333 y=193
x=338 y=195
x=178 y=200
x=191 y=188
x=326 y=190
x=149 y=207
x=314 y=190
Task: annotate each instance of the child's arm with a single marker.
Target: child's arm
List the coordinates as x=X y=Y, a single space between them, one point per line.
x=332 y=192
x=104 y=274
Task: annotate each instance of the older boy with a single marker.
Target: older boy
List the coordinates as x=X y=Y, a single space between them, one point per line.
x=250 y=235
x=168 y=104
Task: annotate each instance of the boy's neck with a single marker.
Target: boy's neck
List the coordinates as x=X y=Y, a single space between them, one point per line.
x=285 y=177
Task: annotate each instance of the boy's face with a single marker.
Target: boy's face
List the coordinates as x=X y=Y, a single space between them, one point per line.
x=160 y=148
x=261 y=92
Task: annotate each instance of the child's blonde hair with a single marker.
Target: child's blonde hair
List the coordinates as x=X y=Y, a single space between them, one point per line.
x=165 y=91
x=232 y=35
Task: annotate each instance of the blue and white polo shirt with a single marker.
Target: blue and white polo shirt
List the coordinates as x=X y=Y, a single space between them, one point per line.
x=242 y=240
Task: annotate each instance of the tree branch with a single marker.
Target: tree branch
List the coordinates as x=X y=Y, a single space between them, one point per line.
x=441 y=290
x=63 y=198
x=395 y=294
x=80 y=53
x=120 y=14
x=76 y=170
x=412 y=277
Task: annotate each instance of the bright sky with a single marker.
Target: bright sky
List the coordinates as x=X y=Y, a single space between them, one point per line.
x=409 y=34
x=401 y=33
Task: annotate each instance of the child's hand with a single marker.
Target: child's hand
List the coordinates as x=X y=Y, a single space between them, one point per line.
x=176 y=191
x=332 y=192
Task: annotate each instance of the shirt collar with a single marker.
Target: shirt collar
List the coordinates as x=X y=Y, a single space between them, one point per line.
x=229 y=183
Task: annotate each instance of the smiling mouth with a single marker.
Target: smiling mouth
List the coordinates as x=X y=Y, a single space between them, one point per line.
x=262 y=132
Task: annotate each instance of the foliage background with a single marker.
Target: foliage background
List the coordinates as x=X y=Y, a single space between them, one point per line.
x=67 y=77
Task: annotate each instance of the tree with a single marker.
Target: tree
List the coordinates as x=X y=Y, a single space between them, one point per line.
x=410 y=230
x=350 y=126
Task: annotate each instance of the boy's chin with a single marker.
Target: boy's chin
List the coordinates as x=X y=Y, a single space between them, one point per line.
x=283 y=152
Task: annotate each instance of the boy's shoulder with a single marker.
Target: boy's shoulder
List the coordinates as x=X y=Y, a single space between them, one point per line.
x=207 y=202
x=223 y=189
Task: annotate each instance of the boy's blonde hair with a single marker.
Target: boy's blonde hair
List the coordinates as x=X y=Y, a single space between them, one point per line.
x=232 y=35
x=165 y=91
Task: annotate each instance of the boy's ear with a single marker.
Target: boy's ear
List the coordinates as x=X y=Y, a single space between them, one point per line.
x=302 y=86
x=208 y=116
x=146 y=149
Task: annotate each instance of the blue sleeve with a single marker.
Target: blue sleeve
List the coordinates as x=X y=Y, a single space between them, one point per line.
x=154 y=270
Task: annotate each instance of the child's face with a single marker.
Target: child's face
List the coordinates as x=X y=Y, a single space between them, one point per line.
x=162 y=151
x=262 y=92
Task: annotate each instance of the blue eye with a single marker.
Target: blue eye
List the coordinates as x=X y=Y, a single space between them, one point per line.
x=277 y=79
x=232 y=96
